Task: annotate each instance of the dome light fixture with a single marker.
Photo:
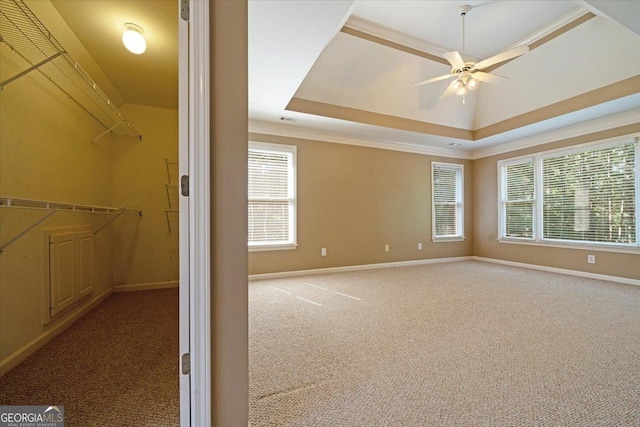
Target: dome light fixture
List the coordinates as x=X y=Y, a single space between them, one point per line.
x=133 y=39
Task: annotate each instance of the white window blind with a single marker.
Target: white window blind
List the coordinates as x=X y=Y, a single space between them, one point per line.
x=585 y=195
x=271 y=195
x=590 y=196
x=518 y=199
x=448 y=209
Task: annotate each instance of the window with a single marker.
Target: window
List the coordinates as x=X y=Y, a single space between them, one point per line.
x=518 y=198
x=586 y=195
x=448 y=207
x=272 y=196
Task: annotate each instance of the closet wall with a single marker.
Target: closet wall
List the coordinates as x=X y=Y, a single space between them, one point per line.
x=46 y=153
x=146 y=251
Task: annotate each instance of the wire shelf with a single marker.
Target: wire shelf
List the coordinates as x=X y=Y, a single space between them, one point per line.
x=23 y=33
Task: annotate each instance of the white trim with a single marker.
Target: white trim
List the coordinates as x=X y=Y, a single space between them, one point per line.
x=291 y=131
x=265 y=248
x=443 y=239
x=550 y=28
x=592 y=126
x=53 y=331
x=459 y=168
x=617 y=279
x=146 y=286
x=292 y=196
x=392 y=35
x=200 y=214
x=593 y=246
x=183 y=222
x=297 y=273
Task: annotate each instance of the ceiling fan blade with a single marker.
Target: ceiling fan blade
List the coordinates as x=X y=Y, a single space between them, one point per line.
x=435 y=79
x=501 y=57
x=490 y=78
x=454 y=59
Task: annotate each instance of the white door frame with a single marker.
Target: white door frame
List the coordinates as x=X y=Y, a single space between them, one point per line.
x=195 y=216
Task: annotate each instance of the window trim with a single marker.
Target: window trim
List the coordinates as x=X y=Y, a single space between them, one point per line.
x=538 y=158
x=459 y=236
x=293 y=208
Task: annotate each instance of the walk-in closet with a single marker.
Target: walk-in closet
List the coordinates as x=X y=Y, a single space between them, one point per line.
x=89 y=259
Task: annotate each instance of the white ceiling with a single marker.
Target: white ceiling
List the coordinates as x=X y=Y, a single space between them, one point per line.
x=296 y=50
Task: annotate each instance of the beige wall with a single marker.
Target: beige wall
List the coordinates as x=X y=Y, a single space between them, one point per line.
x=144 y=249
x=45 y=153
x=485 y=203
x=353 y=200
x=229 y=294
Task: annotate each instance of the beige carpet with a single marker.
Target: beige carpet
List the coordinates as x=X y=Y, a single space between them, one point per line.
x=116 y=366
x=459 y=344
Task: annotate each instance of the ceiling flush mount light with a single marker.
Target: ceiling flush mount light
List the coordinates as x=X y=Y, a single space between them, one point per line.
x=133 y=39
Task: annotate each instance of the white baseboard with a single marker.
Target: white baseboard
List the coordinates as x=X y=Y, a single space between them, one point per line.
x=355 y=268
x=146 y=286
x=55 y=329
x=578 y=273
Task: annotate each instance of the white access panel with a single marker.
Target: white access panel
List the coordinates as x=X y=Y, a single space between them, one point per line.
x=62 y=272
x=70 y=275
x=84 y=256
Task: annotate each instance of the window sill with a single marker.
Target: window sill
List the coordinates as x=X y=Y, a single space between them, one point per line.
x=264 y=248
x=448 y=239
x=584 y=247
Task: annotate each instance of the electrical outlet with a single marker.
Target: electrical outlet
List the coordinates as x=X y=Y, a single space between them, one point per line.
x=591 y=259
x=323 y=252
x=386 y=247
x=420 y=246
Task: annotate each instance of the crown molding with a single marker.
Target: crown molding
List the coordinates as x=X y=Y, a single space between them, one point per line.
x=393 y=35
x=597 y=125
x=550 y=28
x=292 y=131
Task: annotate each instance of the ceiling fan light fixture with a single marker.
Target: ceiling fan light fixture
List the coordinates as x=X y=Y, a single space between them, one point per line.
x=133 y=39
x=472 y=83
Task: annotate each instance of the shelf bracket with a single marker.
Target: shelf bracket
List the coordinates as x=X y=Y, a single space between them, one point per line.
x=109 y=222
x=26 y=230
x=107 y=131
x=30 y=69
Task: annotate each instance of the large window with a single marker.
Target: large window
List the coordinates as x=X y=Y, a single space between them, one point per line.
x=586 y=195
x=448 y=207
x=272 y=196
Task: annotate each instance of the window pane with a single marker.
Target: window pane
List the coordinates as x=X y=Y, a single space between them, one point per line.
x=520 y=190
x=268 y=174
x=268 y=221
x=590 y=196
x=519 y=219
x=271 y=195
x=447 y=200
x=446 y=224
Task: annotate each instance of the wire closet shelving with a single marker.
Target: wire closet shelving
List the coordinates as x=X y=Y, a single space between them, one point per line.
x=54 y=207
x=23 y=33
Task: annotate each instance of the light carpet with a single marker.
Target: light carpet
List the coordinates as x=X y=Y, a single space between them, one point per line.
x=116 y=366
x=456 y=344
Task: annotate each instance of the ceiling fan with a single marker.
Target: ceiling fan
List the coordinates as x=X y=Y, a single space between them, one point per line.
x=469 y=73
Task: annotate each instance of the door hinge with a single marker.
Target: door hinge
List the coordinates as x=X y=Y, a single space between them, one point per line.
x=184 y=185
x=184 y=10
x=186 y=364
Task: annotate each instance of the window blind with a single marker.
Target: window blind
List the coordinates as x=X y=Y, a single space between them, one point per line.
x=518 y=199
x=447 y=200
x=590 y=196
x=271 y=197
